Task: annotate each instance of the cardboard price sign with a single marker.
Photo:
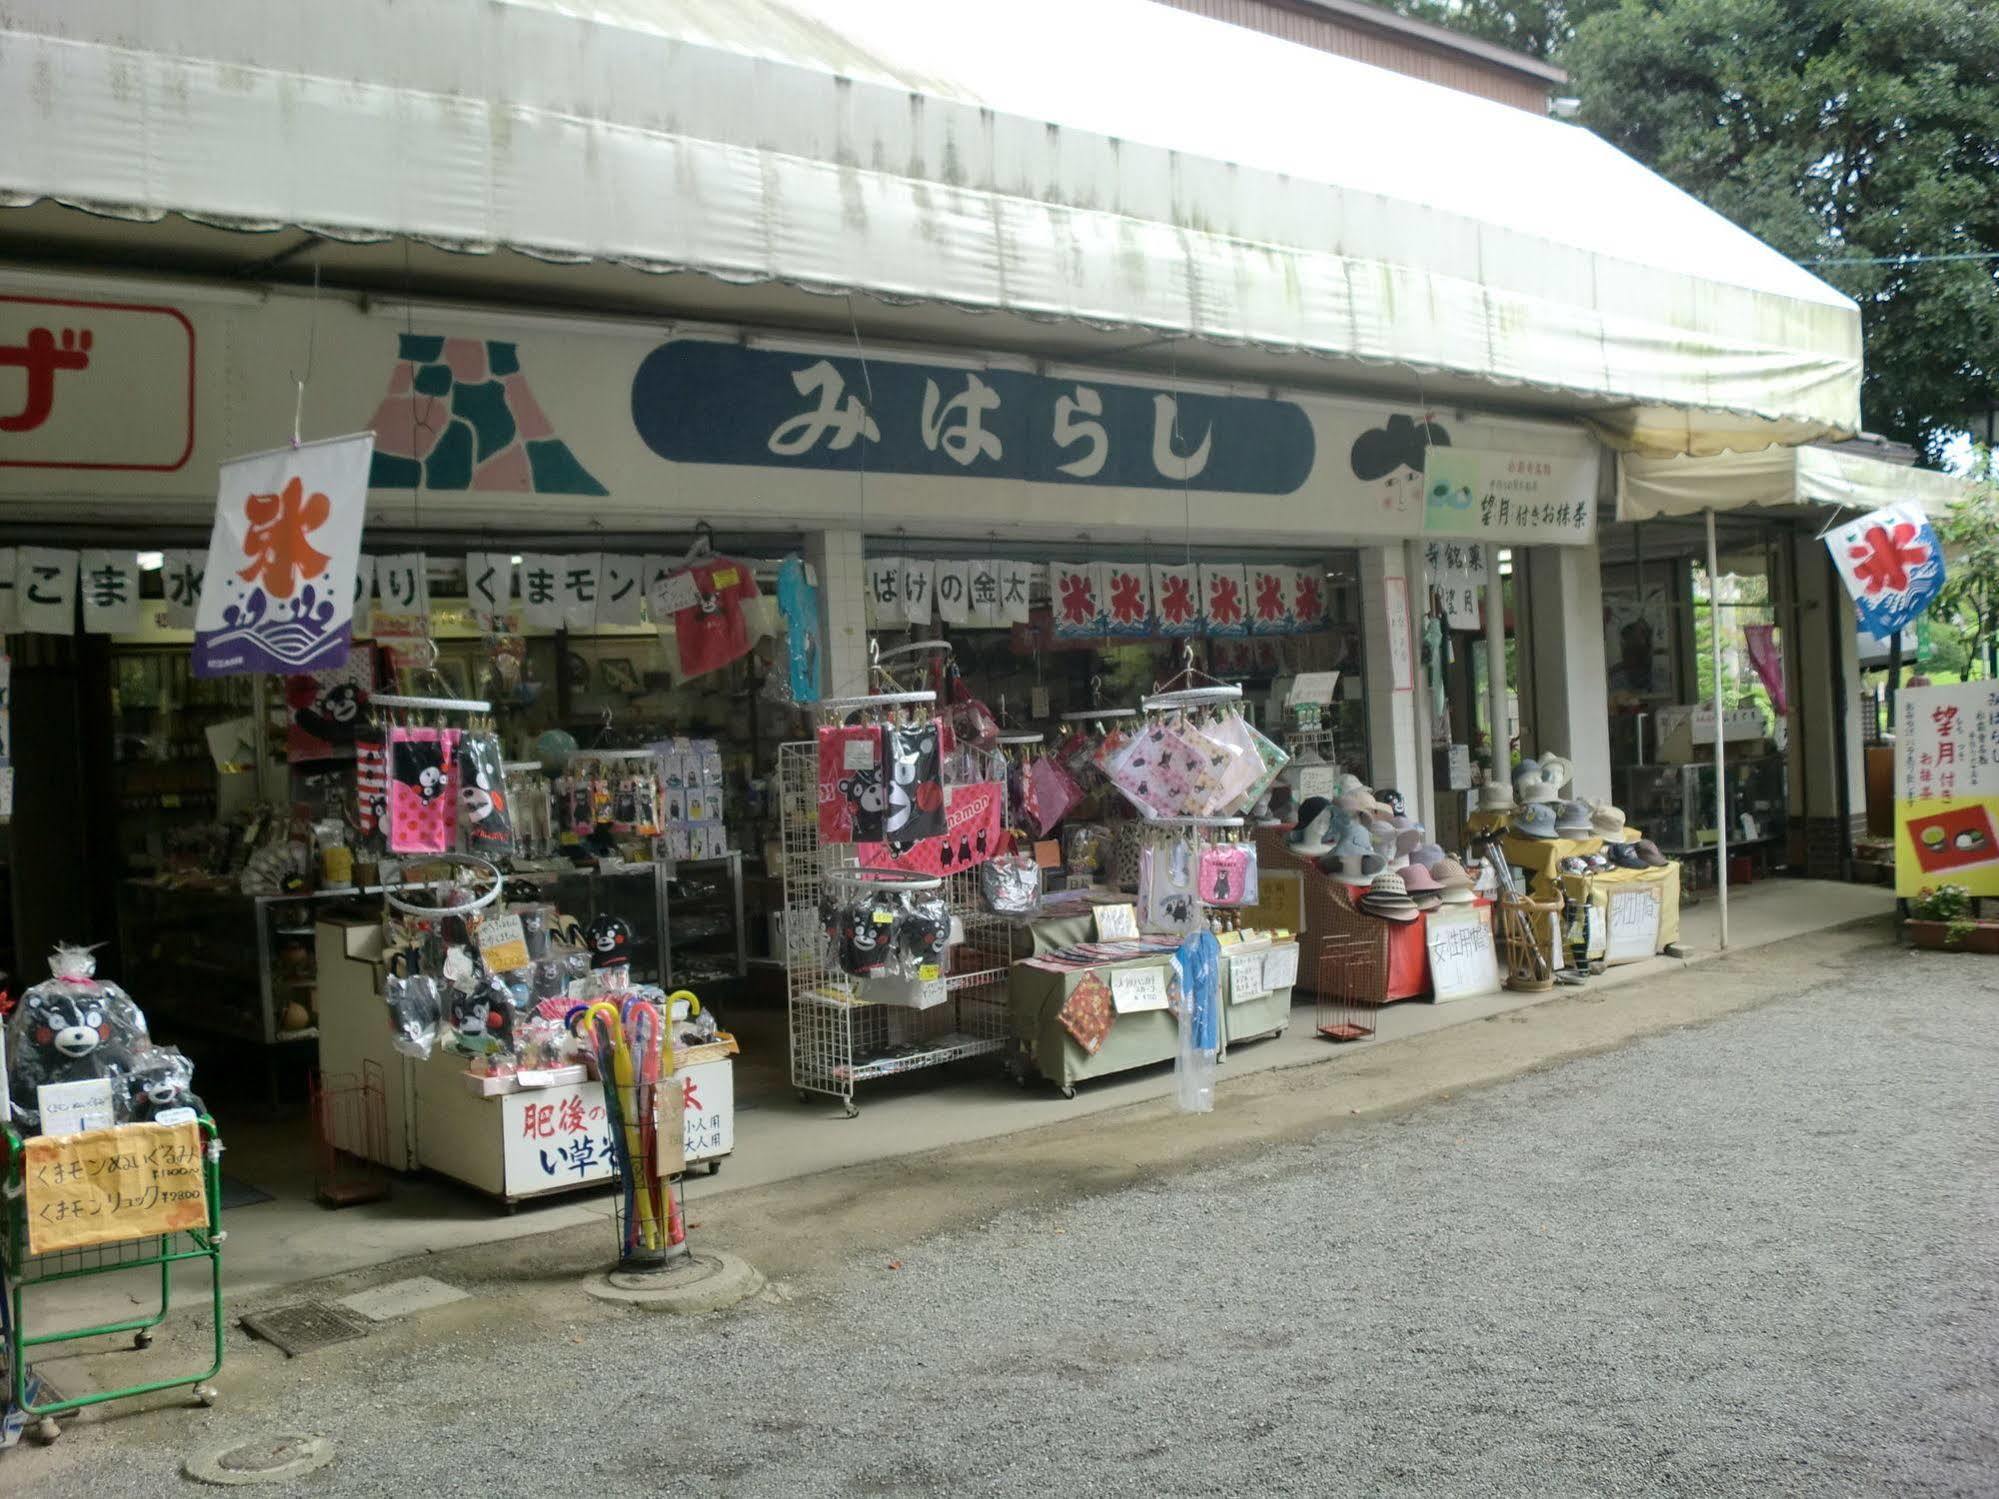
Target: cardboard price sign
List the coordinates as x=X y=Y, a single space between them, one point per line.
x=110 y=1184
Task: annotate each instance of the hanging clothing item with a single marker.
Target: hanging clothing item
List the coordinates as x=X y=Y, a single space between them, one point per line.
x=423 y=790
x=712 y=632
x=371 y=784
x=1436 y=657
x=798 y=601
x=329 y=708
x=915 y=784
x=851 y=794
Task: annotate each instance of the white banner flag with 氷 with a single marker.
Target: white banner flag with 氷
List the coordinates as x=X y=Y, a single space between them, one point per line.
x=279 y=592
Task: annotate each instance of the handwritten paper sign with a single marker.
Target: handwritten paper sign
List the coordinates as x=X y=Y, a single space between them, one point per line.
x=1135 y=989
x=503 y=943
x=1462 y=960
x=110 y=1184
x=1246 y=978
x=1634 y=925
x=72 y=1108
x=1280 y=966
x=1313 y=687
x=1117 y=923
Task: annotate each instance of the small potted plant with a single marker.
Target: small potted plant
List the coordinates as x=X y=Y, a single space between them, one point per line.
x=1941 y=916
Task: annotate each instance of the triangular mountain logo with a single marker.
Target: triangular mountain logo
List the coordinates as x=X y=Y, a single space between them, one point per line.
x=459 y=416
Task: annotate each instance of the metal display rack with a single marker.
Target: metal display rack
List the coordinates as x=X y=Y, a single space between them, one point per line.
x=838 y=1038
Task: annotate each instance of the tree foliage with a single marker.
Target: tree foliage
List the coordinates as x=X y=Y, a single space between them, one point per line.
x=1833 y=130
x=1970 y=593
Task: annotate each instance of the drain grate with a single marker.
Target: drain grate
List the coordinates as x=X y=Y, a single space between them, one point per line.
x=303 y=1326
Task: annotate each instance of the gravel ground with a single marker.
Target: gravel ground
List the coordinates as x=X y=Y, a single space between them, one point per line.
x=1757 y=1257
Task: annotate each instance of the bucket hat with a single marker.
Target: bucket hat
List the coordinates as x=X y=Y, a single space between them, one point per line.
x=1535 y=820
x=1556 y=769
x=1649 y=852
x=1495 y=796
x=1453 y=883
x=1607 y=823
x=1389 y=899
x=1572 y=820
x=1532 y=784
x=1353 y=859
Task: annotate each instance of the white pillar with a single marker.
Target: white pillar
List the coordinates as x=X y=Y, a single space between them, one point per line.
x=1822 y=676
x=837 y=557
x=1398 y=759
x=1570 y=692
x=1715 y=627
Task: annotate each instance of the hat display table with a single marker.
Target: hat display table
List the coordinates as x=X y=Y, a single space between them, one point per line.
x=1542 y=859
x=1598 y=889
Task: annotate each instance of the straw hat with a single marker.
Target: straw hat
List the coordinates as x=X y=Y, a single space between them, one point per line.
x=1389 y=899
x=1453 y=884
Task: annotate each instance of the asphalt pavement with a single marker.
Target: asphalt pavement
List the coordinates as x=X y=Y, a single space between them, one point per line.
x=1758 y=1256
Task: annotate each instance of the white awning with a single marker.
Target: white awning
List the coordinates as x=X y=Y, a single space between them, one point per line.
x=1648 y=488
x=1117 y=163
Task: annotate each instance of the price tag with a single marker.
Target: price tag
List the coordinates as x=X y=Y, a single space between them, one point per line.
x=110 y=1184
x=673 y=593
x=70 y=1108
x=1135 y=989
x=1117 y=923
x=1246 y=978
x=860 y=754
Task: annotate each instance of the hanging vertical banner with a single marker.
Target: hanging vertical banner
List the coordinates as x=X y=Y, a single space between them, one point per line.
x=10 y=617
x=982 y=590
x=278 y=595
x=885 y=593
x=1223 y=599
x=364 y=592
x=1768 y=659
x=1457 y=571
x=1128 y=598
x=954 y=600
x=621 y=600
x=1401 y=650
x=1270 y=605
x=402 y=582
x=1016 y=591
x=109 y=584
x=489 y=585
x=919 y=592
x=653 y=571
x=1308 y=600
x=1892 y=565
x=180 y=587
x=1947 y=788
x=1079 y=613
x=541 y=609
x=578 y=586
x=45 y=591
x=1176 y=600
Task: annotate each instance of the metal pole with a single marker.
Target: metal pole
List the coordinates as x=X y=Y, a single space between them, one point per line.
x=1720 y=754
x=1495 y=668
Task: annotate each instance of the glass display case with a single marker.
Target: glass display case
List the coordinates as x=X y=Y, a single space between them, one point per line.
x=1674 y=803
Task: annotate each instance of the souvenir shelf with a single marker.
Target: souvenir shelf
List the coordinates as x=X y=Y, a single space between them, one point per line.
x=1674 y=803
x=838 y=1039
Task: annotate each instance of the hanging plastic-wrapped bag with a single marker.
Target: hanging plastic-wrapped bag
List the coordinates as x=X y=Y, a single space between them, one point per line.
x=1056 y=793
x=414 y=1010
x=71 y=1027
x=1010 y=885
x=1167 y=899
x=1198 y=963
x=1228 y=874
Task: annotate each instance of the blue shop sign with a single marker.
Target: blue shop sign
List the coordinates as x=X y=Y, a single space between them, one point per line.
x=699 y=402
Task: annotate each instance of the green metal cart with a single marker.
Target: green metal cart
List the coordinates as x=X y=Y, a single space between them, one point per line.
x=21 y=1271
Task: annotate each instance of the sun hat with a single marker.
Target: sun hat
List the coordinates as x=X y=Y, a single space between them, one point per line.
x=1348 y=784
x=1408 y=841
x=1389 y=899
x=1535 y=820
x=1532 y=784
x=1353 y=859
x=1383 y=834
x=1355 y=803
x=1422 y=886
x=1649 y=852
x=1495 y=796
x=1557 y=769
x=1453 y=883
x=1572 y=820
x=1607 y=822
x=1427 y=854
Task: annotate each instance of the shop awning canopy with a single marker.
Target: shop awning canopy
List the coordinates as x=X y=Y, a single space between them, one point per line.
x=1186 y=186
x=1651 y=488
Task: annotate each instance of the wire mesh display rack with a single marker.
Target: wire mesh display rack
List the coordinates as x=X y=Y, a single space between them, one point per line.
x=840 y=1039
x=23 y=1271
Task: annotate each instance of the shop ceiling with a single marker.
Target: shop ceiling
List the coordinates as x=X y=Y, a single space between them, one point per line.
x=1120 y=183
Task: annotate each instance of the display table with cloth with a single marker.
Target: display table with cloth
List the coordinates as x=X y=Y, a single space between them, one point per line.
x=1542 y=859
x=1141 y=1039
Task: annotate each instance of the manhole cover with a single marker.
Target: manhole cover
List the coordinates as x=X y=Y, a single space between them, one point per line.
x=260 y=1460
x=305 y=1325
